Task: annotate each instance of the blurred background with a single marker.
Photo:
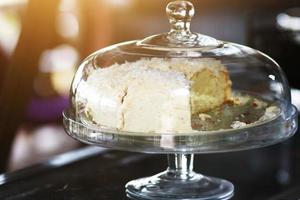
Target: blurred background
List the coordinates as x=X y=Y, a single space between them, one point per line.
x=43 y=41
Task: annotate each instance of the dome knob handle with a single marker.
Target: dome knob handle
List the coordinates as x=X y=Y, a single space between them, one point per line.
x=180 y=14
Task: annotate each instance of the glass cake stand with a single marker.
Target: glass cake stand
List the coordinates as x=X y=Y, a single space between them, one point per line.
x=99 y=90
x=179 y=181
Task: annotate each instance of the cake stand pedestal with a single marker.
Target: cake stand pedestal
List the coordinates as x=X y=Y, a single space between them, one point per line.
x=179 y=181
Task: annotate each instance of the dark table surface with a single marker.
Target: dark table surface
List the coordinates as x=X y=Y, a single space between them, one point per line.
x=269 y=173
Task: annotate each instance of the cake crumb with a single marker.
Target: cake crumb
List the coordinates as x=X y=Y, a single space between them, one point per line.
x=204 y=117
x=237 y=124
x=270 y=113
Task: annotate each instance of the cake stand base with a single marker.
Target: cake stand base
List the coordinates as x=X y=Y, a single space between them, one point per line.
x=180 y=182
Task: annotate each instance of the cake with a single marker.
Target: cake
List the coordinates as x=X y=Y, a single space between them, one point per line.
x=156 y=95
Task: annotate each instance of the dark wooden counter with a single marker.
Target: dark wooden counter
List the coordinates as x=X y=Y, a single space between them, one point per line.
x=94 y=173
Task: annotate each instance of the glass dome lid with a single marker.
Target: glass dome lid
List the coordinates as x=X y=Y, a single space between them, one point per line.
x=181 y=83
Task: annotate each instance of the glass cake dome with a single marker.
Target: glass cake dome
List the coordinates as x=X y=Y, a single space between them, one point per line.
x=180 y=93
x=179 y=83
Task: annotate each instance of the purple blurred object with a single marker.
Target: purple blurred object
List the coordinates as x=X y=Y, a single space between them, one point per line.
x=43 y=110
